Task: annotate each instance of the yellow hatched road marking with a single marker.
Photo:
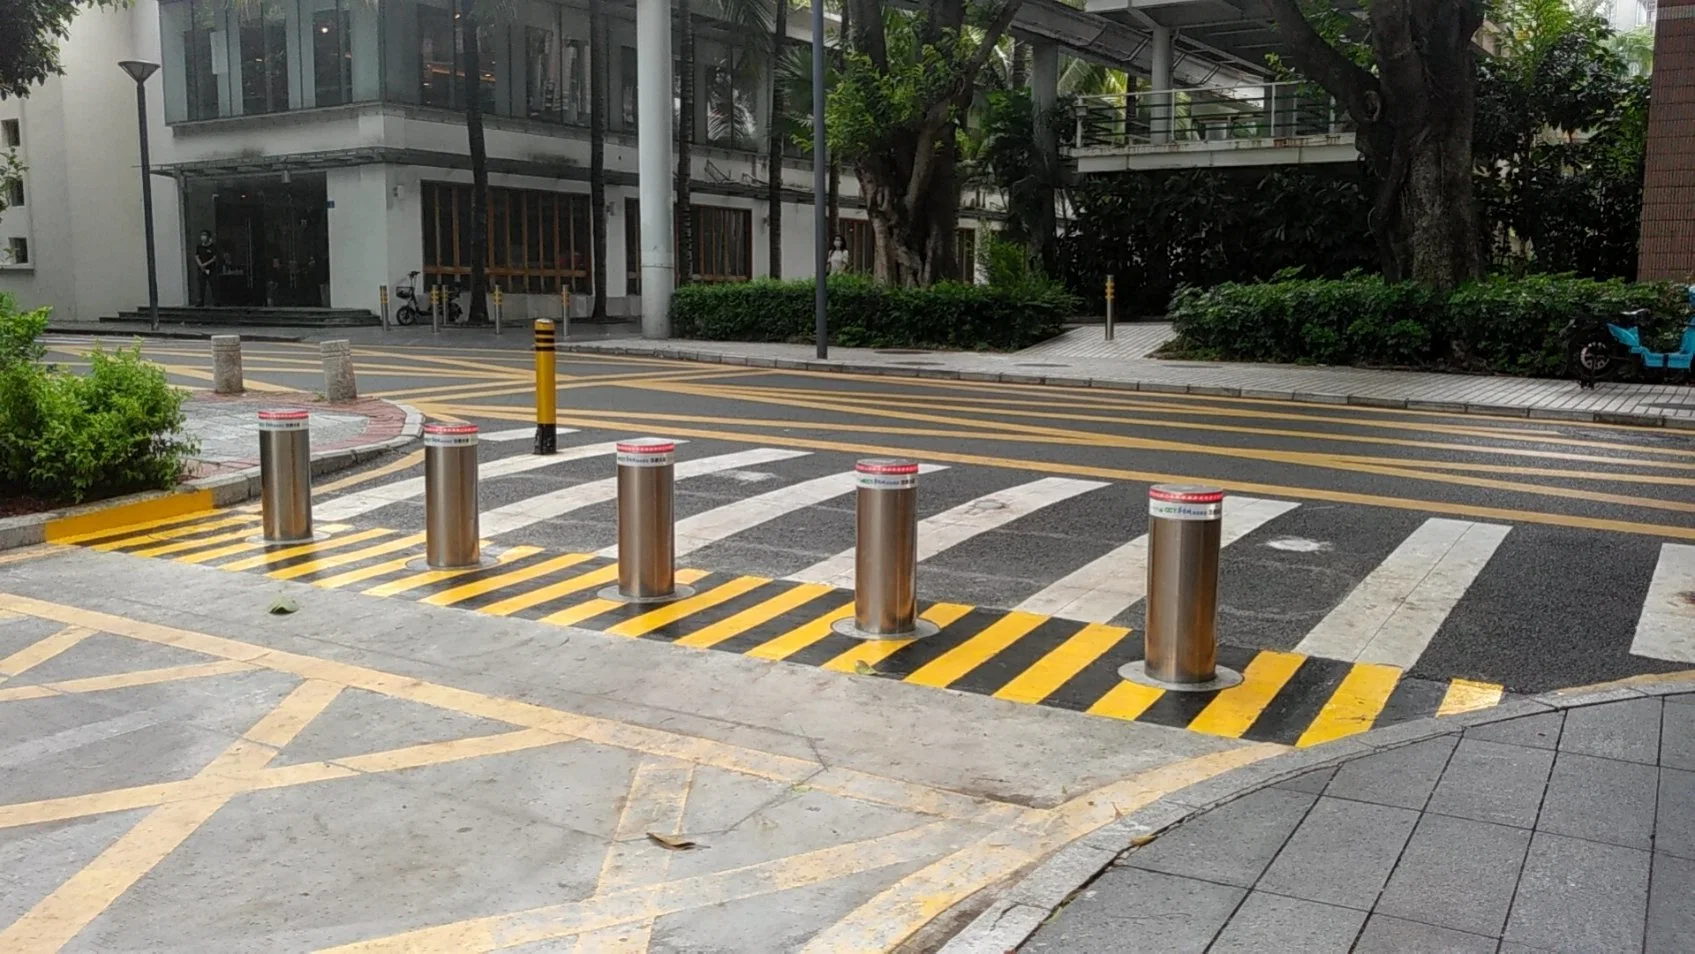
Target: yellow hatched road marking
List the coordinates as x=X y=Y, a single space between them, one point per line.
x=172 y=533
x=572 y=615
x=535 y=597
x=683 y=608
x=342 y=559
x=873 y=651
x=1061 y=663
x=1354 y=706
x=503 y=580
x=363 y=573
x=658 y=796
x=183 y=546
x=802 y=636
x=747 y=619
x=42 y=650
x=1127 y=700
x=942 y=671
x=427 y=577
x=1233 y=710
x=1464 y=695
x=317 y=546
x=124 y=680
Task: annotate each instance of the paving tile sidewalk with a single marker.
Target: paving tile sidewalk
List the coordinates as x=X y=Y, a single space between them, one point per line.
x=227 y=427
x=1569 y=827
x=1081 y=358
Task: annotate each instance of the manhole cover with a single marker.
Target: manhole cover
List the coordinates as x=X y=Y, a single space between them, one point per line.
x=915 y=362
x=901 y=351
x=1036 y=364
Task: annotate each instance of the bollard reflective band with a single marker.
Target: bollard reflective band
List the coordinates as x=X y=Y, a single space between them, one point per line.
x=646 y=452
x=284 y=420
x=885 y=474
x=1185 y=503
x=450 y=435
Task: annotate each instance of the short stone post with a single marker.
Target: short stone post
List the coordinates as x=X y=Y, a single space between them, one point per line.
x=226 y=364
x=338 y=371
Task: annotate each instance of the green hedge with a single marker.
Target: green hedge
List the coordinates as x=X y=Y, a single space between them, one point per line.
x=71 y=437
x=1508 y=326
x=865 y=314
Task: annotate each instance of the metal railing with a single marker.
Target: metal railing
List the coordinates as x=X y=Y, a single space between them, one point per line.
x=1206 y=114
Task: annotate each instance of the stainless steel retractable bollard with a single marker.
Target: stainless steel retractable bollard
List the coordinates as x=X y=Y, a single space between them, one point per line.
x=647 y=528
x=285 y=475
x=1181 y=640
x=450 y=497
x=885 y=558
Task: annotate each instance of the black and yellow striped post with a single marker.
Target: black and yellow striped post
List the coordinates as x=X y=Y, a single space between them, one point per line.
x=547 y=436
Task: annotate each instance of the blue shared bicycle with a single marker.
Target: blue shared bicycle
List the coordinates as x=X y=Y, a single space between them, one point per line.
x=1603 y=349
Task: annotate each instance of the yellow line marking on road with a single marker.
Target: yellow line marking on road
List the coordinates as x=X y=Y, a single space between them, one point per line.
x=572 y=615
x=566 y=587
x=123 y=680
x=686 y=607
x=1465 y=695
x=60 y=916
x=500 y=581
x=733 y=626
x=1355 y=704
x=393 y=467
x=42 y=650
x=317 y=546
x=659 y=793
x=1127 y=700
x=870 y=652
x=1233 y=711
x=802 y=636
x=508 y=555
x=952 y=665
x=173 y=533
x=1061 y=663
x=246 y=531
x=364 y=573
x=342 y=559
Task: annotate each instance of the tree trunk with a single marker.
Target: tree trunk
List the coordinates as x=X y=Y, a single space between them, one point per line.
x=472 y=63
x=774 y=143
x=597 y=149
x=685 y=142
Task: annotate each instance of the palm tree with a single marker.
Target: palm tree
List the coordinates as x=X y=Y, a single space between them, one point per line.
x=774 y=141
x=472 y=66
x=597 y=149
x=685 y=140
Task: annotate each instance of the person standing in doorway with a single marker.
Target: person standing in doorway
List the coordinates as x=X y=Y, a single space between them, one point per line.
x=838 y=259
x=205 y=265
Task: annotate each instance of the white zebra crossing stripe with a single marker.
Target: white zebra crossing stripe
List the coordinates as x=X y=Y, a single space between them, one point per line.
x=1395 y=611
x=1105 y=587
x=719 y=523
x=519 y=434
x=530 y=510
x=952 y=527
x=365 y=501
x=1666 y=629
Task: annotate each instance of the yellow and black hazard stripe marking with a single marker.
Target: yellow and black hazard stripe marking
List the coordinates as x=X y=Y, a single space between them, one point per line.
x=1011 y=655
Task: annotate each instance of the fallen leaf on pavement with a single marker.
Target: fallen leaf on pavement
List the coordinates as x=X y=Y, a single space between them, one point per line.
x=1141 y=840
x=862 y=668
x=670 y=841
x=283 y=607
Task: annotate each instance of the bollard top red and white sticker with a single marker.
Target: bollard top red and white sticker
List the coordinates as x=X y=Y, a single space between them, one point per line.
x=285 y=419
x=1185 y=502
x=885 y=473
x=450 y=435
x=646 y=452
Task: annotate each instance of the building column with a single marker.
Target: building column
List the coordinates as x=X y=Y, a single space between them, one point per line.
x=655 y=162
x=1667 y=248
x=1044 y=88
x=1163 y=102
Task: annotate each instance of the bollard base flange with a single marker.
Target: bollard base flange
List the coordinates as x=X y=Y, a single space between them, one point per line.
x=612 y=593
x=847 y=627
x=423 y=564
x=318 y=536
x=1222 y=678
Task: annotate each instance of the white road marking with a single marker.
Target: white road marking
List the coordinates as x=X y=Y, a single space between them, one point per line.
x=523 y=513
x=1299 y=545
x=1103 y=588
x=952 y=527
x=1666 y=629
x=365 y=501
x=1393 y=613
x=519 y=434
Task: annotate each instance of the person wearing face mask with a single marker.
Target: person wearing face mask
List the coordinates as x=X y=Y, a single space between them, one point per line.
x=205 y=265
x=838 y=260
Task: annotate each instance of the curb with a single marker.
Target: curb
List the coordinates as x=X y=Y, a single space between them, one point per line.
x=1151 y=387
x=162 y=333
x=189 y=496
x=1026 y=905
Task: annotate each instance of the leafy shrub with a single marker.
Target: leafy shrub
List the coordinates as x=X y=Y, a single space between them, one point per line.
x=70 y=437
x=865 y=314
x=1510 y=326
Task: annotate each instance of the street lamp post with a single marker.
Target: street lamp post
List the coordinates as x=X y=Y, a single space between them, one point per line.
x=820 y=211
x=139 y=70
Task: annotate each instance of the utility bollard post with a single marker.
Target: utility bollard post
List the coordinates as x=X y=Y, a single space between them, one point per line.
x=382 y=299
x=285 y=476
x=885 y=560
x=226 y=364
x=497 y=309
x=1110 y=316
x=647 y=529
x=564 y=311
x=435 y=309
x=547 y=432
x=450 y=496
x=1181 y=650
x=339 y=384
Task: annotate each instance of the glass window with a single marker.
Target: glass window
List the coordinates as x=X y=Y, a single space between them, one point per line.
x=13 y=133
x=627 y=85
x=861 y=245
x=436 y=85
x=537 y=240
x=632 y=247
x=732 y=90
x=17 y=249
x=723 y=244
x=965 y=249
x=332 y=56
x=15 y=193
x=205 y=55
x=542 y=95
x=264 y=57
x=575 y=68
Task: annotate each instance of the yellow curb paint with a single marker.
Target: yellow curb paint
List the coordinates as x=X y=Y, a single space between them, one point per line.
x=100 y=522
x=1355 y=704
x=1464 y=695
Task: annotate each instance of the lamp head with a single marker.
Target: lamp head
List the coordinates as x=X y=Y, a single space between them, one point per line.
x=138 y=70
